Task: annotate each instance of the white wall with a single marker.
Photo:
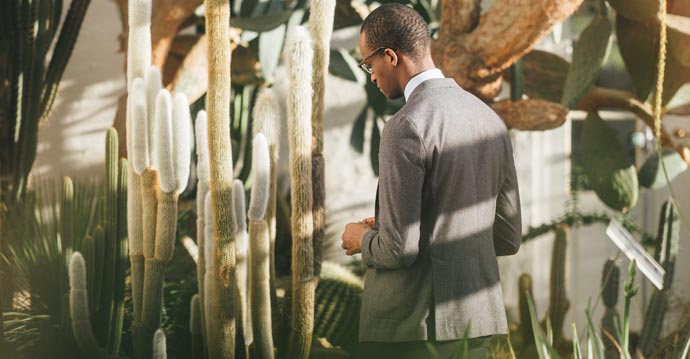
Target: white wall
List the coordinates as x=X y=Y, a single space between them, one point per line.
x=72 y=141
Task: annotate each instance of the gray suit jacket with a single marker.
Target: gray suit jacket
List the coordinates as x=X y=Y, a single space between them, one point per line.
x=447 y=205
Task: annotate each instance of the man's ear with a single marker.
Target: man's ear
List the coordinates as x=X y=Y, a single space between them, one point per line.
x=391 y=56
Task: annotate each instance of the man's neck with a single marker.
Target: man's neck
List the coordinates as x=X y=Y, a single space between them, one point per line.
x=415 y=68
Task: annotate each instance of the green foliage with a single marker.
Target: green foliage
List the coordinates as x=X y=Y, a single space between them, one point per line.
x=37 y=250
x=607 y=166
x=589 y=54
x=665 y=253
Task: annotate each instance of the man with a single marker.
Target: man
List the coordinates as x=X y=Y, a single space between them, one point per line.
x=446 y=206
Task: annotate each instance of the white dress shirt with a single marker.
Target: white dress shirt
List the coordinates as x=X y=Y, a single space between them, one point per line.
x=419 y=78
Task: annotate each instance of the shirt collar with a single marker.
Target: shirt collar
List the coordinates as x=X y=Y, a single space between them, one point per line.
x=419 y=78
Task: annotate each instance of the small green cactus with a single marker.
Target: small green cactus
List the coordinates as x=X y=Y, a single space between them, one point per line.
x=610 y=283
x=525 y=292
x=666 y=252
x=558 y=300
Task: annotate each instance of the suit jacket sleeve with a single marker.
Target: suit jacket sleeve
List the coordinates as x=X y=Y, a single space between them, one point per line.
x=508 y=222
x=394 y=243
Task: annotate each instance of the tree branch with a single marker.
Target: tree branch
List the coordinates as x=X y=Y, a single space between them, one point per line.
x=505 y=33
x=598 y=98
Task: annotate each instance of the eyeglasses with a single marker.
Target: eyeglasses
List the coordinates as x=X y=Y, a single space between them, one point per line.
x=364 y=65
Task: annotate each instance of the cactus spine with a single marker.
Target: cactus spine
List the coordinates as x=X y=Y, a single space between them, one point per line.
x=558 y=300
x=299 y=104
x=221 y=169
x=241 y=248
x=321 y=29
x=610 y=282
x=259 y=249
x=666 y=252
x=266 y=122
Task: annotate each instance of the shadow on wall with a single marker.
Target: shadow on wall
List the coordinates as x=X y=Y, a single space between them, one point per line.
x=72 y=141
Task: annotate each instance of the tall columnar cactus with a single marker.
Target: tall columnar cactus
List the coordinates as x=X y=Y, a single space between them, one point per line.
x=171 y=157
x=159 y=142
x=202 y=174
x=267 y=122
x=558 y=300
x=259 y=250
x=220 y=159
x=212 y=321
x=137 y=142
x=321 y=29
x=525 y=292
x=241 y=255
x=138 y=61
x=610 y=282
x=666 y=252
x=299 y=103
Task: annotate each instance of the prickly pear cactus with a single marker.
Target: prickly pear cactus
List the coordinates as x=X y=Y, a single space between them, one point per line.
x=607 y=166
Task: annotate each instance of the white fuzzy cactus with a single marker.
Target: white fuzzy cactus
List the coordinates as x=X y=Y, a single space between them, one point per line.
x=210 y=315
x=267 y=122
x=241 y=249
x=159 y=345
x=299 y=106
x=79 y=309
x=139 y=40
x=162 y=137
x=202 y=166
x=259 y=250
x=182 y=140
x=203 y=176
x=261 y=176
x=154 y=84
x=138 y=127
x=321 y=29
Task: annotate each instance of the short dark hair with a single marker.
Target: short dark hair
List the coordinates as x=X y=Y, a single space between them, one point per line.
x=398 y=27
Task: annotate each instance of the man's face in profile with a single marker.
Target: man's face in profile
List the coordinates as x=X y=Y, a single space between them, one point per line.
x=381 y=61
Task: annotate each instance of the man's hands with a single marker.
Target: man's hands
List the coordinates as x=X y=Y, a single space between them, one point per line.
x=354 y=232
